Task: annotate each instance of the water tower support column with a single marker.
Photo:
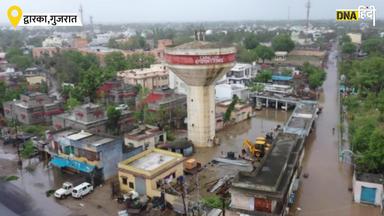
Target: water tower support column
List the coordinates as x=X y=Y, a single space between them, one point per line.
x=201 y=115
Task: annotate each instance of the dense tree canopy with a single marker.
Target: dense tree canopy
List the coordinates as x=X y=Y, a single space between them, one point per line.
x=264 y=52
x=132 y=43
x=15 y=56
x=348 y=48
x=113 y=115
x=251 y=41
x=366 y=109
x=283 y=42
x=316 y=76
x=373 y=46
x=264 y=76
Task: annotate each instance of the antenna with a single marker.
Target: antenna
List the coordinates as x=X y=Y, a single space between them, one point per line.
x=308 y=6
x=91 y=23
x=81 y=14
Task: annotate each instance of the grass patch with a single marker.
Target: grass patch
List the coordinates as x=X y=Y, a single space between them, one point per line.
x=9 y=178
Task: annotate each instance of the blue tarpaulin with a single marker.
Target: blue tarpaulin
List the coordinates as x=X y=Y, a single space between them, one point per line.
x=77 y=165
x=281 y=78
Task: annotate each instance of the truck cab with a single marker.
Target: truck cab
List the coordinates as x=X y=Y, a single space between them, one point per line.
x=64 y=191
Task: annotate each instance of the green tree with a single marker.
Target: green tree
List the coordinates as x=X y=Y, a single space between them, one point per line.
x=348 y=48
x=90 y=81
x=43 y=87
x=28 y=150
x=69 y=65
x=231 y=107
x=71 y=103
x=283 y=42
x=256 y=87
x=251 y=41
x=115 y=61
x=345 y=39
x=140 y=60
x=16 y=56
x=373 y=45
x=247 y=56
x=264 y=52
x=113 y=115
x=264 y=76
x=316 y=76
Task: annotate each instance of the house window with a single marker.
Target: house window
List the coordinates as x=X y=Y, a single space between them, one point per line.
x=131 y=185
x=124 y=180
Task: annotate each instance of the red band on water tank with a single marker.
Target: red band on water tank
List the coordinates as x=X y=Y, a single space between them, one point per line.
x=200 y=59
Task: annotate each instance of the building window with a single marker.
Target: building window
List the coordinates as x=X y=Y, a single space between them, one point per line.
x=131 y=185
x=124 y=180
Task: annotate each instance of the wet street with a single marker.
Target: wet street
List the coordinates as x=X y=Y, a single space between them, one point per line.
x=325 y=191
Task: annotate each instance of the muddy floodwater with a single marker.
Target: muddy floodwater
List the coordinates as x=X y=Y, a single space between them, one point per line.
x=325 y=191
x=231 y=139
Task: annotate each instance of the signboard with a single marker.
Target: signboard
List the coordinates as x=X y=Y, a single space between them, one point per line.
x=200 y=59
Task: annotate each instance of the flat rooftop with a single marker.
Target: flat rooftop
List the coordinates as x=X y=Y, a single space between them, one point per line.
x=302 y=118
x=151 y=161
x=270 y=173
x=78 y=136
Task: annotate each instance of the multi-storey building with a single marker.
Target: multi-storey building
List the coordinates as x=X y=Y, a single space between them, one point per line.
x=91 y=117
x=241 y=74
x=33 y=108
x=95 y=156
x=154 y=77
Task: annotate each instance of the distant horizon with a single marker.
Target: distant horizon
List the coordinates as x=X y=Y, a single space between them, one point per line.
x=378 y=21
x=166 y=11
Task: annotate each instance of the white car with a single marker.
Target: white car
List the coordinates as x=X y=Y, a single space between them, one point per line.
x=64 y=191
x=81 y=190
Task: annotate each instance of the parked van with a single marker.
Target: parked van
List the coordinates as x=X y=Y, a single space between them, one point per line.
x=81 y=190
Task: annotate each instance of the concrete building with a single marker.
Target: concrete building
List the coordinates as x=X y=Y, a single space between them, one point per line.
x=227 y=91
x=281 y=56
x=154 y=77
x=33 y=108
x=99 y=51
x=79 y=42
x=146 y=136
x=273 y=185
x=241 y=73
x=266 y=191
x=39 y=52
x=368 y=188
x=116 y=92
x=200 y=64
x=86 y=153
x=170 y=105
x=148 y=172
x=355 y=38
x=91 y=117
x=54 y=41
x=240 y=113
x=177 y=84
x=3 y=61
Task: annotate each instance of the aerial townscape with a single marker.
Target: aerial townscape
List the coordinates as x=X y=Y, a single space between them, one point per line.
x=277 y=115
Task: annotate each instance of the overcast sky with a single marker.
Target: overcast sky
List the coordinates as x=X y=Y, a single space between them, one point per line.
x=120 y=11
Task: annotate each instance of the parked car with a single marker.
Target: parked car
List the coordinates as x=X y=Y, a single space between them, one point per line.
x=64 y=191
x=81 y=190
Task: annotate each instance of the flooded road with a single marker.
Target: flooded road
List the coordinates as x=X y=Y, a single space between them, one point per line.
x=231 y=139
x=26 y=195
x=325 y=191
